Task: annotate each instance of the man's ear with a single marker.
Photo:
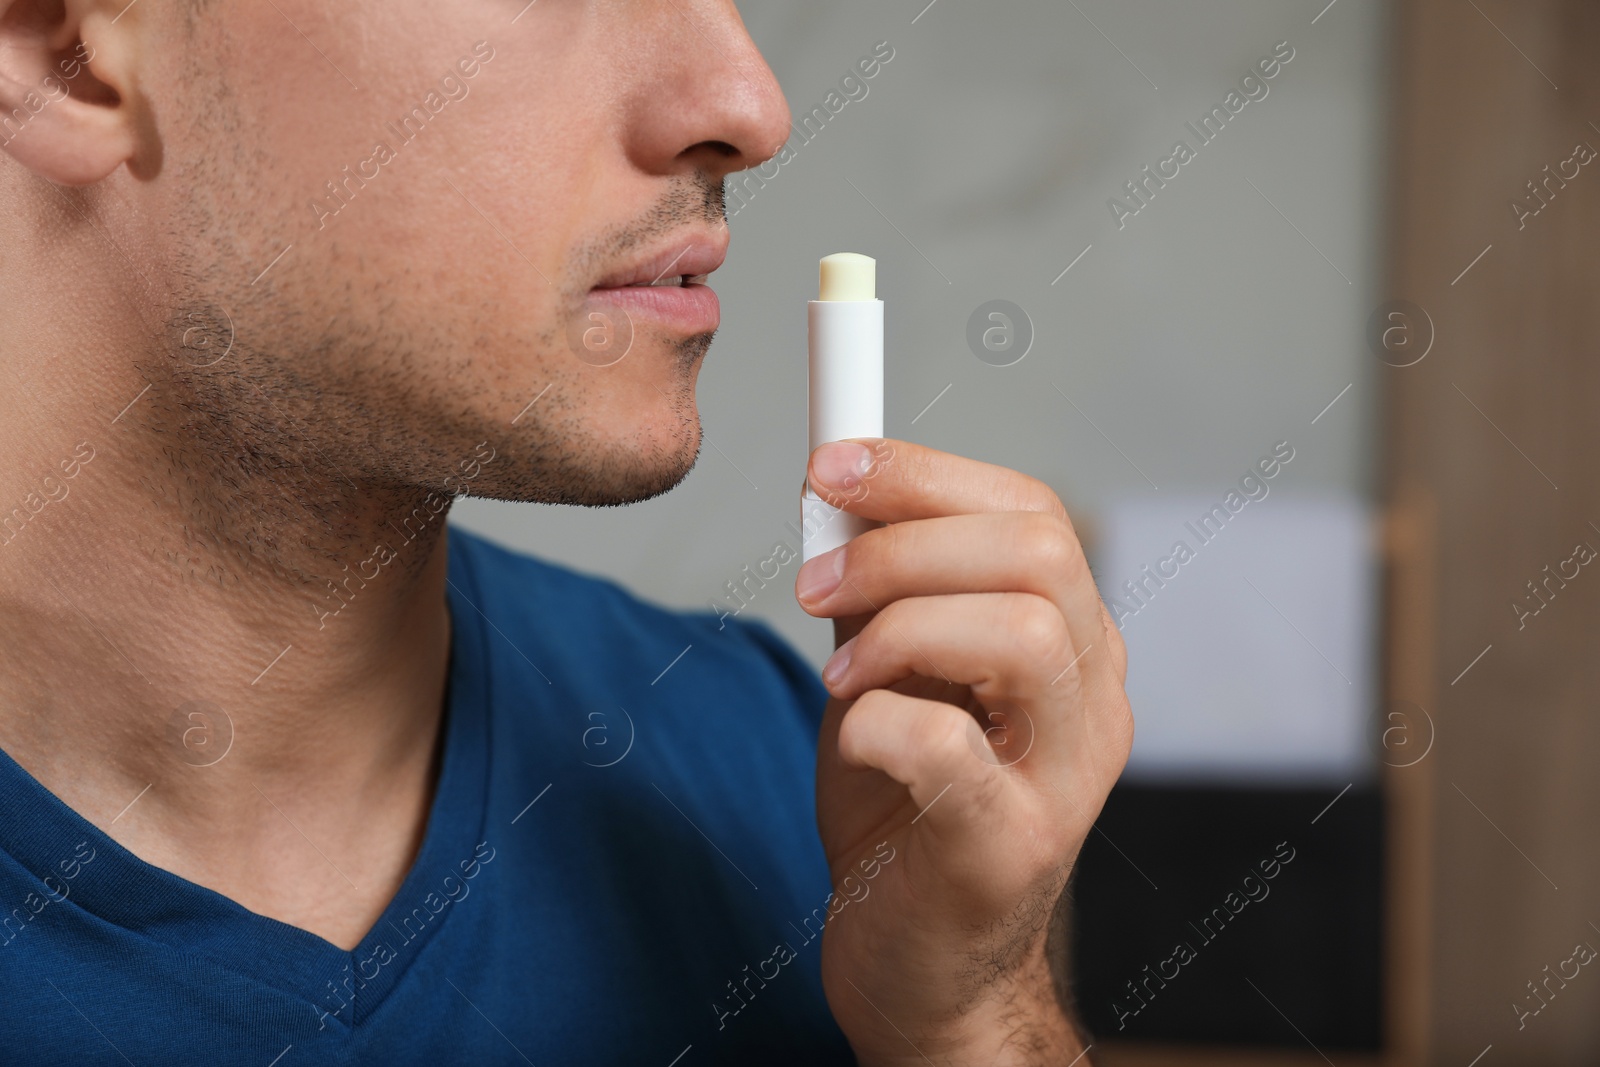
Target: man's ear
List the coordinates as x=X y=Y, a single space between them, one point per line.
x=69 y=106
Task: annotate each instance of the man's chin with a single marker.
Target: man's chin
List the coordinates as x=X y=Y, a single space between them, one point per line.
x=607 y=476
x=575 y=450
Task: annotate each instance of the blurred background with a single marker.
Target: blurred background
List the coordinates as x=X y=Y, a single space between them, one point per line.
x=1334 y=346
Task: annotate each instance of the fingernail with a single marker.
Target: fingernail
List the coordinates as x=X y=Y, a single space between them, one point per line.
x=838 y=663
x=841 y=464
x=820 y=577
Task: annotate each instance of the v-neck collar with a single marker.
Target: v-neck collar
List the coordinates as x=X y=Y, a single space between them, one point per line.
x=40 y=832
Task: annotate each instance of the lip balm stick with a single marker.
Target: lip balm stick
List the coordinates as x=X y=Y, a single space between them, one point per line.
x=846 y=376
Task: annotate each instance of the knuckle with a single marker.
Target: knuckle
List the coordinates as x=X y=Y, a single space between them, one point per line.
x=897 y=617
x=1034 y=495
x=1116 y=644
x=1037 y=629
x=1119 y=651
x=866 y=707
x=860 y=728
x=955 y=742
x=1052 y=546
x=1122 y=728
x=950 y=734
x=867 y=703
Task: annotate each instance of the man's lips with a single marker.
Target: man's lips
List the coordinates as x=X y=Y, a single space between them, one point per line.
x=681 y=310
x=694 y=259
x=669 y=287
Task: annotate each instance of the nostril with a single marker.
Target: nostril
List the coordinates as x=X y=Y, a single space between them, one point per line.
x=721 y=148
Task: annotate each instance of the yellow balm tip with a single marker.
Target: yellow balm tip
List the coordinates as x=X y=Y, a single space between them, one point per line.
x=849 y=276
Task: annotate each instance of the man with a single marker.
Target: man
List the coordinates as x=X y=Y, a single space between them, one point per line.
x=292 y=776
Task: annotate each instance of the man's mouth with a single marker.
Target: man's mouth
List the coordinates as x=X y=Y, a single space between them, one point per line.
x=678 y=280
x=668 y=289
x=686 y=259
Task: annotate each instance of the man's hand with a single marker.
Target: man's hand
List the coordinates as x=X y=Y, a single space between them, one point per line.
x=978 y=721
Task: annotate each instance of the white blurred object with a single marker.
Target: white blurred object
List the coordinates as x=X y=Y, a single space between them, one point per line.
x=1255 y=662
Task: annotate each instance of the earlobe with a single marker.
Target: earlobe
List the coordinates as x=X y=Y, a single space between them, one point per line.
x=67 y=110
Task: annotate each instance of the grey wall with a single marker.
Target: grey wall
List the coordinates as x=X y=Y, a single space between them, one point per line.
x=982 y=160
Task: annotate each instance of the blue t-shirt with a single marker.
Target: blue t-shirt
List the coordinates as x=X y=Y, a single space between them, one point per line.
x=619 y=867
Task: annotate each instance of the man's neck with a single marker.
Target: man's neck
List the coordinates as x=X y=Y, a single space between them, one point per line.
x=258 y=714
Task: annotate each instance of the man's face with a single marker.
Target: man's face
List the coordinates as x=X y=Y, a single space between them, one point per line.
x=416 y=219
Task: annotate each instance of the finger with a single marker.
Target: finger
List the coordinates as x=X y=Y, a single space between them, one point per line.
x=932 y=749
x=1019 y=551
x=893 y=481
x=1005 y=646
x=1117 y=647
x=1014 y=653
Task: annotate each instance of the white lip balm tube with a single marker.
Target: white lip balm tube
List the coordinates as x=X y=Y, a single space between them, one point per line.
x=846 y=394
